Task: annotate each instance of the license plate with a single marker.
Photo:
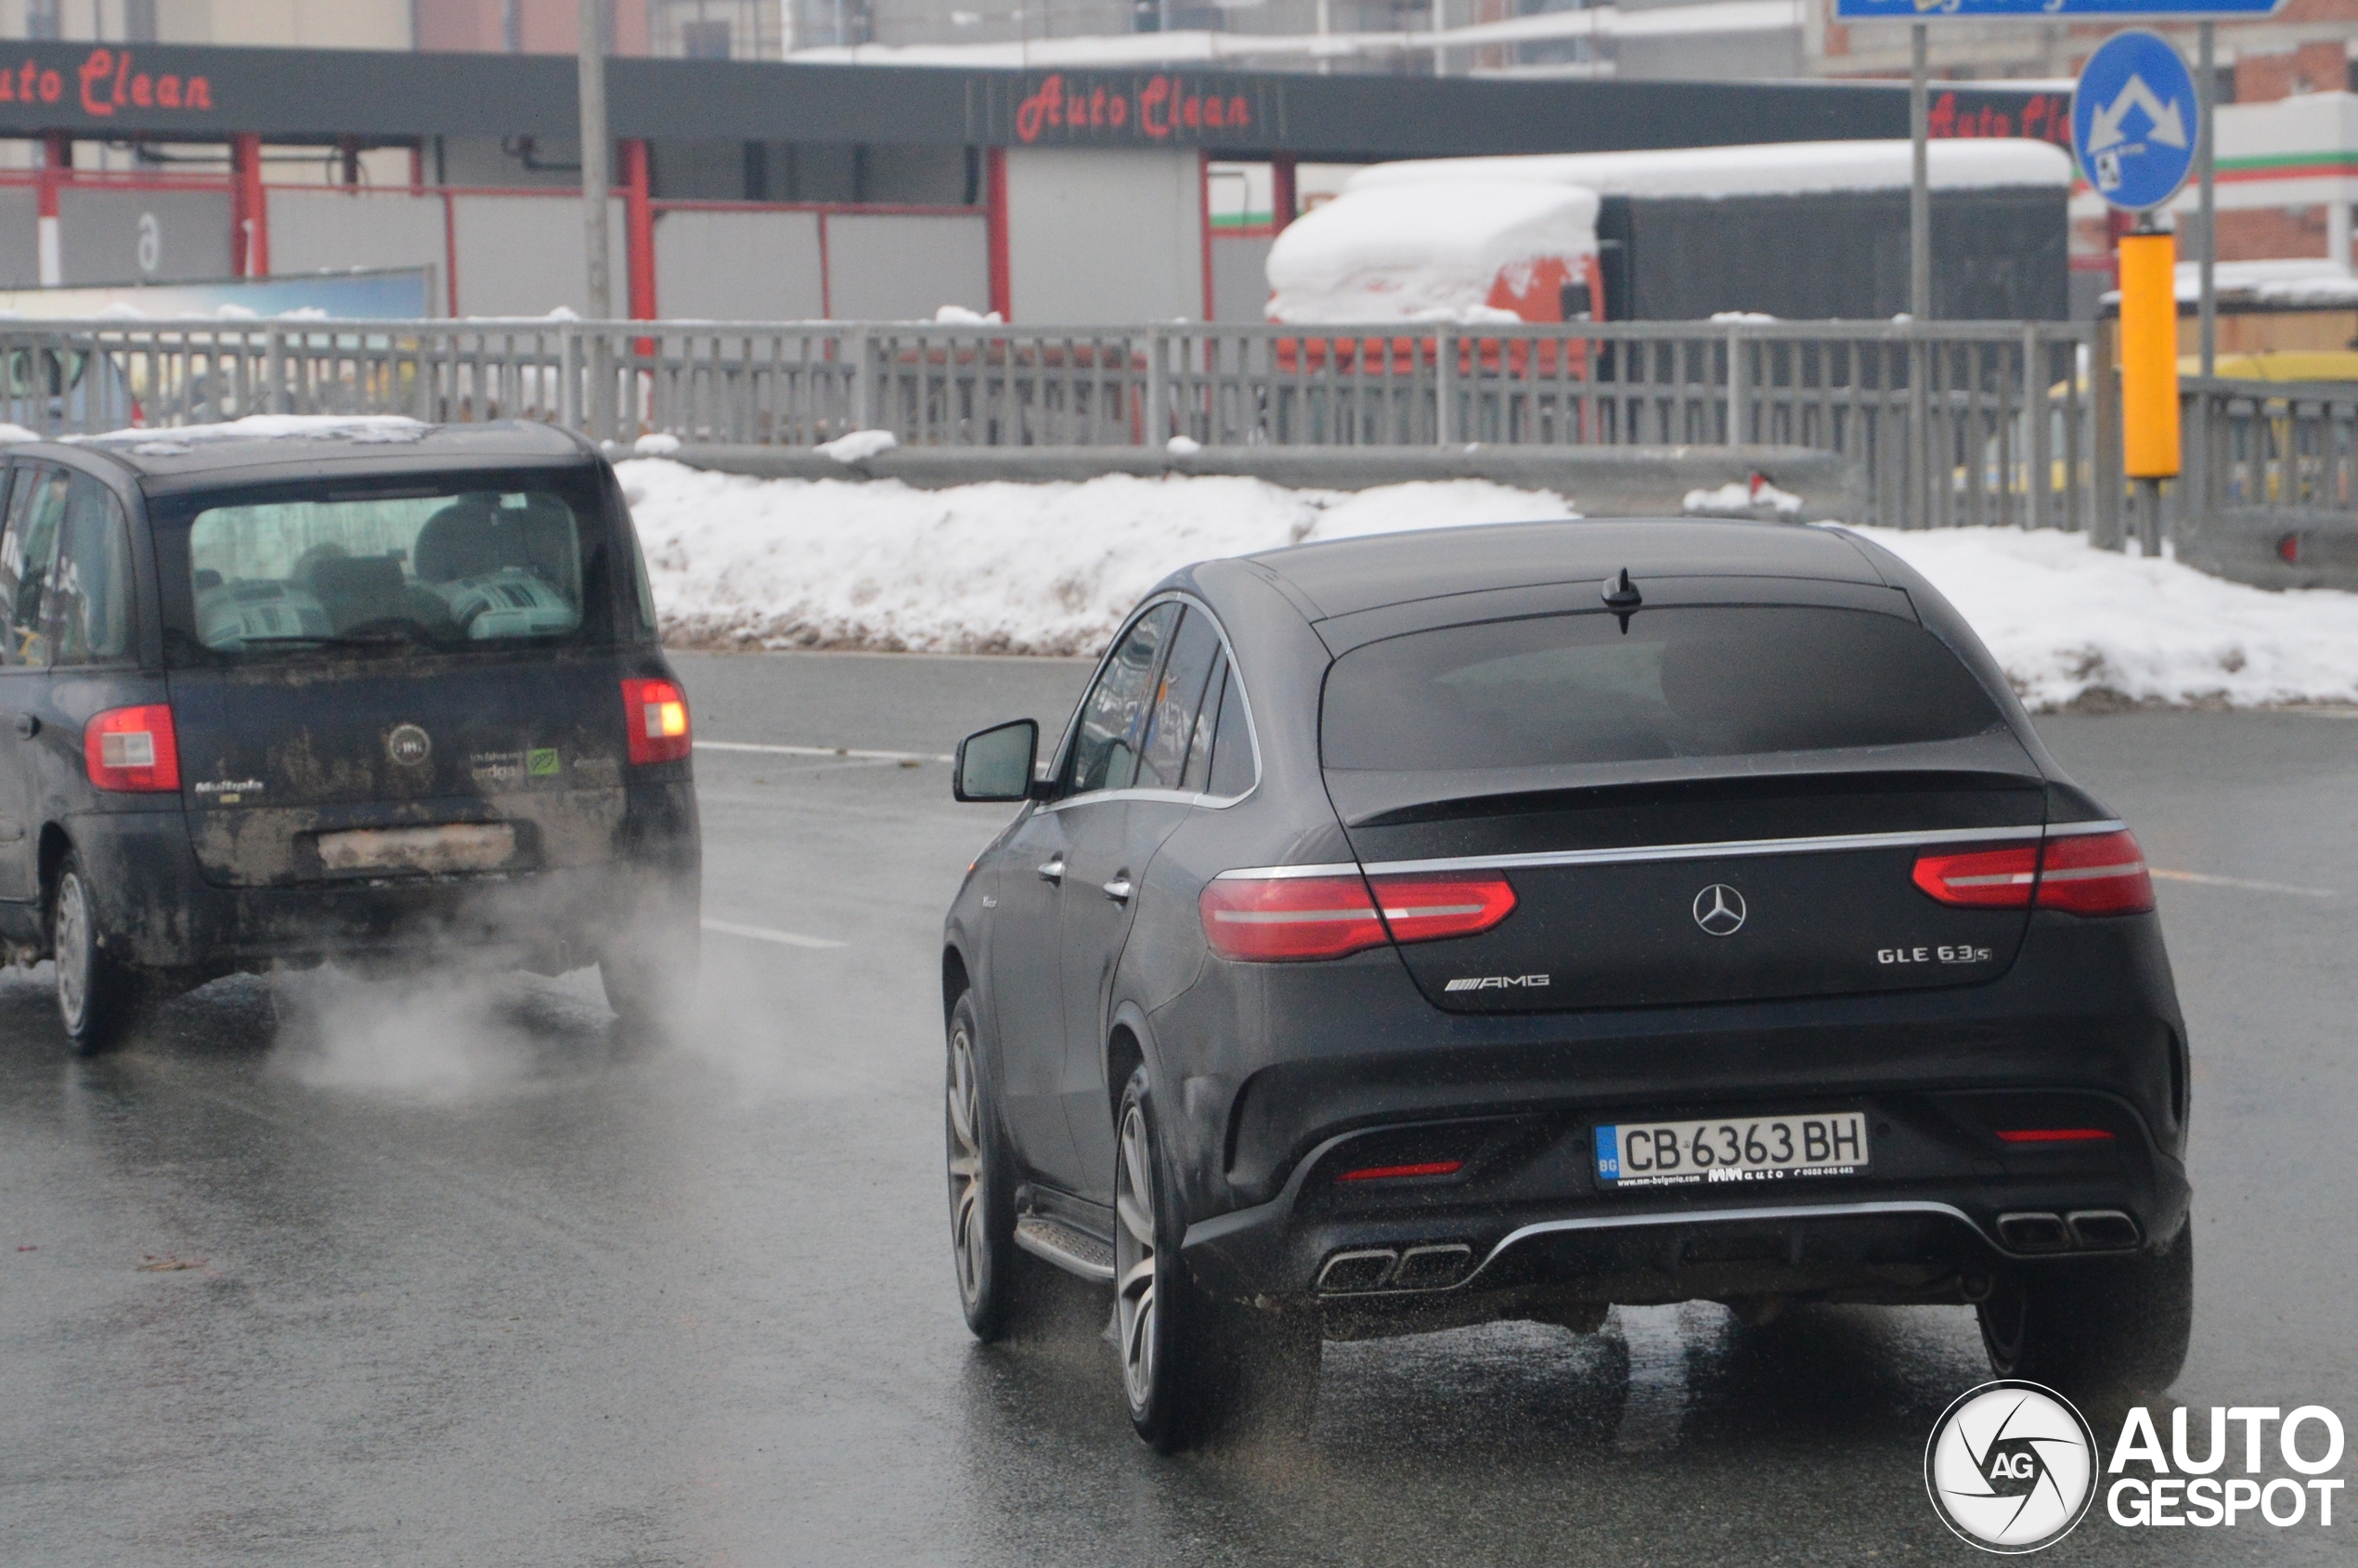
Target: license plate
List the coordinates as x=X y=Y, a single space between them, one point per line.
x=1751 y=1149
x=455 y=847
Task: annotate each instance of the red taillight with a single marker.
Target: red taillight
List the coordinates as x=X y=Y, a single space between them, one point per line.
x=2081 y=874
x=1986 y=878
x=1424 y=908
x=1269 y=920
x=2055 y=1136
x=656 y=715
x=2095 y=874
x=133 y=749
x=1395 y=1172
x=1275 y=919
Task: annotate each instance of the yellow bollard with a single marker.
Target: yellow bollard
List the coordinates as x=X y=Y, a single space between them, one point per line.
x=2149 y=356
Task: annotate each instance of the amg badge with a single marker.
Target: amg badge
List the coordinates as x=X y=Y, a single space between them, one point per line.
x=1498 y=982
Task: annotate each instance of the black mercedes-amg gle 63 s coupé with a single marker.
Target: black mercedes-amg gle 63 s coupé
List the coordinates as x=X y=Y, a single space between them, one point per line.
x=1507 y=922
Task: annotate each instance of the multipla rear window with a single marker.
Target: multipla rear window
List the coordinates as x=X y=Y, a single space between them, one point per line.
x=449 y=566
x=1568 y=690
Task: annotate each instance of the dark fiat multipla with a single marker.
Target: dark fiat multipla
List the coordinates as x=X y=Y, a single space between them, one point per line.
x=1507 y=922
x=373 y=691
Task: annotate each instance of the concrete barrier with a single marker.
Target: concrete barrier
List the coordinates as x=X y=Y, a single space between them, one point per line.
x=1599 y=481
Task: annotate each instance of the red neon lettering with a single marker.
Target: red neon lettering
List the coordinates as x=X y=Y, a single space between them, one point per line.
x=25 y=88
x=1098 y=107
x=1117 y=111
x=122 y=69
x=7 y=87
x=2033 y=114
x=95 y=69
x=53 y=86
x=1191 y=111
x=167 y=92
x=1239 y=114
x=1150 y=105
x=143 y=90
x=199 y=93
x=1216 y=112
x=1942 y=120
x=1041 y=109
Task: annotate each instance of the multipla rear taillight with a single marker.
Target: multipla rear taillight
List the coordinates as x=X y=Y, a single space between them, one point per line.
x=133 y=749
x=1276 y=919
x=655 y=713
x=2080 y=873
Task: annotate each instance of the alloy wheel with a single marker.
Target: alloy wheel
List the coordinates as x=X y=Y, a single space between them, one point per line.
x=70 y=940
x=1135 y=1257
x=967 y=1240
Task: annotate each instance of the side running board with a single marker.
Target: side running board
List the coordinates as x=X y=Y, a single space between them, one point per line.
x=1075 y=1251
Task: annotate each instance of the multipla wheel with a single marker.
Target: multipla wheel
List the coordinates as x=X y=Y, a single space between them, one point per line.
x=998 y=1283
x=1192 y=1367
x=98 y=999
x=2097 y=1327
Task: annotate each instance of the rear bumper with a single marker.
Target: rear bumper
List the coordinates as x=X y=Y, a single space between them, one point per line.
x=1527 y=1225
x=159 y=913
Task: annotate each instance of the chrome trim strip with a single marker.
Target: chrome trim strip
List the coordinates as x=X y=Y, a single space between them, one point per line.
x=1282 y=873
x=1737 y=847
x=1725 y=1216
x=1253 y=728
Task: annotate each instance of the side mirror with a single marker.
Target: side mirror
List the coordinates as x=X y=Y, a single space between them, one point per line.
x=997 y=763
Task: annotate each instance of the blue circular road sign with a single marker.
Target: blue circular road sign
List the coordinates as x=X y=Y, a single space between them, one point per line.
x=2135 y=121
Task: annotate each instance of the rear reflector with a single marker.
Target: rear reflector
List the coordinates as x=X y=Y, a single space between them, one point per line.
x=1289 y=918
x=2055 y=1136
x=656 y=717
x=133 y=750
x=1393 y=1173
x=2084 y=874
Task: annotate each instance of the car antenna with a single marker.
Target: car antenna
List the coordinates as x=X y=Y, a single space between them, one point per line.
x=1620 y=596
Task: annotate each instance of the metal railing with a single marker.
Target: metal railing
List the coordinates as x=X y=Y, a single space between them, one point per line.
x=2270 y=493
x=1949 y=423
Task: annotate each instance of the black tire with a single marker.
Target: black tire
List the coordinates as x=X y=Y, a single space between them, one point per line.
x=1194 y=1368
x=650 y=974
x=2098 y=1328
x=999 y=1284
x=98 y=1000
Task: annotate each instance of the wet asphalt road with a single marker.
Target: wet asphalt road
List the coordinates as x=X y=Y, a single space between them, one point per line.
x=449 y=1275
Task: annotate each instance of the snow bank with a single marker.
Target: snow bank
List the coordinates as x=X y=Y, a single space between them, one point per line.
x=1422 y=250
x=982 y=568
x=1771 y=169
x=263 y=427
x=2067 y=621
x=1052 y=568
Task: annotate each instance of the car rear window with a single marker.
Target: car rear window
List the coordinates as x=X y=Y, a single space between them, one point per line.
x=1711 y=681
x=450 y=565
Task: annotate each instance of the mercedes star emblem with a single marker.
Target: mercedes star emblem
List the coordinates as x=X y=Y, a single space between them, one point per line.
x=1719 y=910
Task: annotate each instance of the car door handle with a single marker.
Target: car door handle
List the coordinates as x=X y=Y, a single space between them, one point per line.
x=1054 y=871
x=28 y=726
x=1119 y=888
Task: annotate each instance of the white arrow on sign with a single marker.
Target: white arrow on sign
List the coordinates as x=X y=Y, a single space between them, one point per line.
x=2169 y=126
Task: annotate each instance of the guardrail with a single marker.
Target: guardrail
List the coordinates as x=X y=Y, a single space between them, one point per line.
x=1949 y=423
x=2271 y=491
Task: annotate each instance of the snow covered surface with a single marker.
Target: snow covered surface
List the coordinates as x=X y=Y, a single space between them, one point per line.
x=2066 y=620
x=2296 y=281
x=265 y=427
x=13 y=432
x=1415 y=251
x=1052 y=568
x=1760 y=498
x=859 y=445
x=1957 y=163
x=655 y=445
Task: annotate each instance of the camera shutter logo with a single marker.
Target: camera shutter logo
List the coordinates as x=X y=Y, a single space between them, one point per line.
x=2011 y=1467
x=1719 y=910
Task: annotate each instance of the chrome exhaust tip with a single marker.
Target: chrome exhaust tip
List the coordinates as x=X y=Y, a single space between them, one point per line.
x=2034 y=1233
x=1432 y=1269
x=2105 y=1229
x=1352 y=1273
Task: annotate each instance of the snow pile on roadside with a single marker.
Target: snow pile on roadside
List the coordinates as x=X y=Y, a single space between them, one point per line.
x=2067 y=621
x=1759 y=497
x=982 y=568
x=295 y=427
x=1051 y=569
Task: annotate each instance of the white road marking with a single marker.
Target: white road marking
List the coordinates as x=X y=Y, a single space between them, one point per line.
x=2246 y=883
x=764 y=934
x=823 y=751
